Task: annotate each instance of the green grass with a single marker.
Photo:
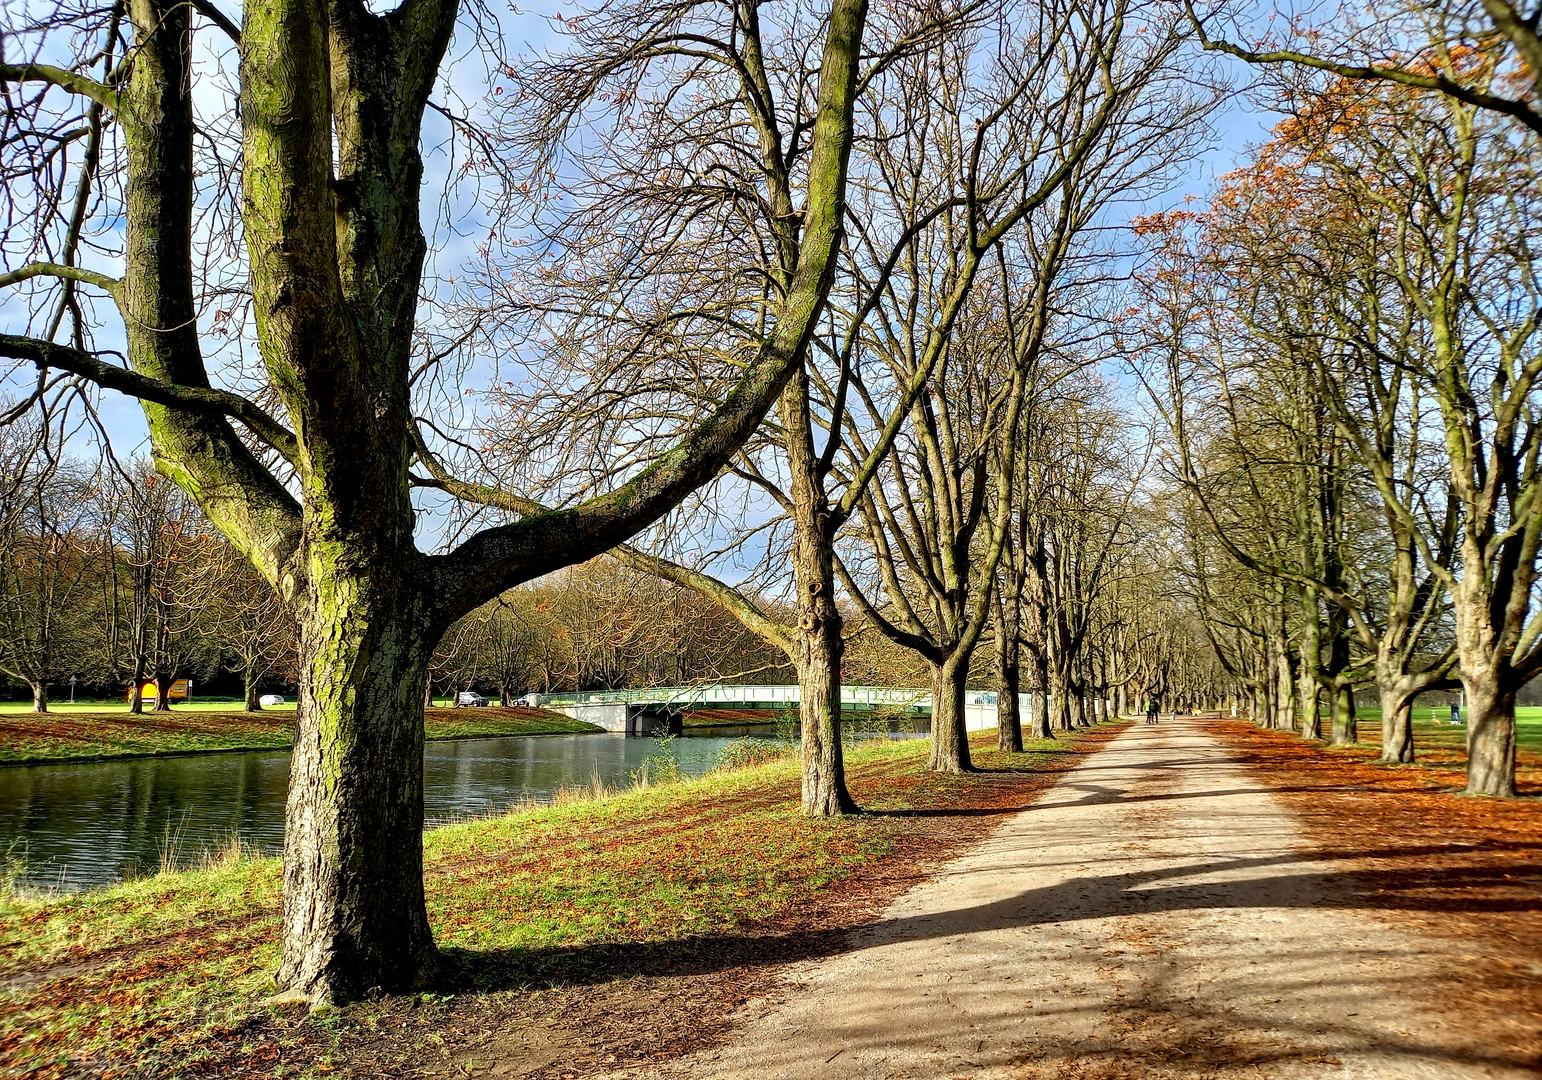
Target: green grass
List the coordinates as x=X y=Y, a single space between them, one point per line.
x=66 y=708
x=199 y=704
x=153 y=972
x=93 y=734
x=1432 y=730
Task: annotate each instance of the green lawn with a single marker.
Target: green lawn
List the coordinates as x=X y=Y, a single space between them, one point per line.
x=154 y=975
x=198 y=704
x=87 y=734
x=1432 y=729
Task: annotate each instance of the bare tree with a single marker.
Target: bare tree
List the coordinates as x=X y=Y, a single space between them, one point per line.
x=316 y=485
x=229 y=604
x=46 y=568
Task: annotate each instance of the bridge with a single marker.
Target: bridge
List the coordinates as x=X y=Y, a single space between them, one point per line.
x=645 y=710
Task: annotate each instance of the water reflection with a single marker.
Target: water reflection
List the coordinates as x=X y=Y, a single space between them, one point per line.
x=79 y=826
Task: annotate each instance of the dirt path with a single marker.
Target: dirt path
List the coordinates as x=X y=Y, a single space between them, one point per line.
x=1155 y=915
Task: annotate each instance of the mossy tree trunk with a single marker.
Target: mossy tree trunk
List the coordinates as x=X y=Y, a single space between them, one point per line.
x=817 y=643
x=1007 y=612
x=1040 y=723
x=1307 y=686
x=331 y=103
x=354 y=920
x=1397 y=745
x=950 y=738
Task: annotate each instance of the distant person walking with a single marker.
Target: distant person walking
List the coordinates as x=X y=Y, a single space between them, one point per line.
x=1153 y=711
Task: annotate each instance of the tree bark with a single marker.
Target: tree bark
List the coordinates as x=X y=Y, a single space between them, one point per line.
x=819 y=645
x=819 y=712
x=1064 y=719
x=1039 y=722
x=1042 y=728
x=354 y=915
x=1490 y=736
x=1346 y=726
x=1284 y=693
x=1009 y=713
x=1311 y=716
x=163 y=693
x=1006 y=611
x=250 y=688
x=39 y=697
x=950 y=740
x=1484 y=657
x=1311 y=659
x=1397 y=746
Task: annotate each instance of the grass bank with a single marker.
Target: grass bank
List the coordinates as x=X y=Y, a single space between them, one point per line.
x=1440 y=748
x=681 y=895
x=1433 y=731
x=863 y=719
x=31 y=739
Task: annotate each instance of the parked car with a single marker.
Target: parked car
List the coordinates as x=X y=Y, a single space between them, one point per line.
x=270 y=699
x=469 y=699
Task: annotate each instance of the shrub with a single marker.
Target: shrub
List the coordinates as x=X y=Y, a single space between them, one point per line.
x=744 y=753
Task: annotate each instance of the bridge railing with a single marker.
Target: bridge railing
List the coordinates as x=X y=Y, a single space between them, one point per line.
x=728 y=695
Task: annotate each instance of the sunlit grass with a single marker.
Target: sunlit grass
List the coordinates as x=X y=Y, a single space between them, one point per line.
x=149 y=970
x=30 y=737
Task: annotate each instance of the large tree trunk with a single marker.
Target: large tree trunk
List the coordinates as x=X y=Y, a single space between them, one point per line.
x=1484 y=663
x=354 y=916
x=1009 y=714
x=818 y=646
x=163 y=693
x=39 y=697
x=1261 y=695
x=1042 y=728
x=1307 y=687
x=1397 y=746
x=950 y=740
x=1346 y=726
x=1007 y=615
x=1311 y=711
x=250 y=687
x=1064 y=718
x=1490 y=735
x=136 y=692
x=1284 y=692
x=1039 y=723
x=819 y=707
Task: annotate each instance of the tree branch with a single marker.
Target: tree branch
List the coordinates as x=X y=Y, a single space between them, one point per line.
x=719 y=592
x=47 y=354
x=110 y=285
x=62 y=78
x=1373 y=72
x=219 y=19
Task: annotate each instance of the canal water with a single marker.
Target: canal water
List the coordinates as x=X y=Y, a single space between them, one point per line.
x=79 y=826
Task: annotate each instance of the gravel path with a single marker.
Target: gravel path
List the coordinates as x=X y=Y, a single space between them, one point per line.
x=1155 y=915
